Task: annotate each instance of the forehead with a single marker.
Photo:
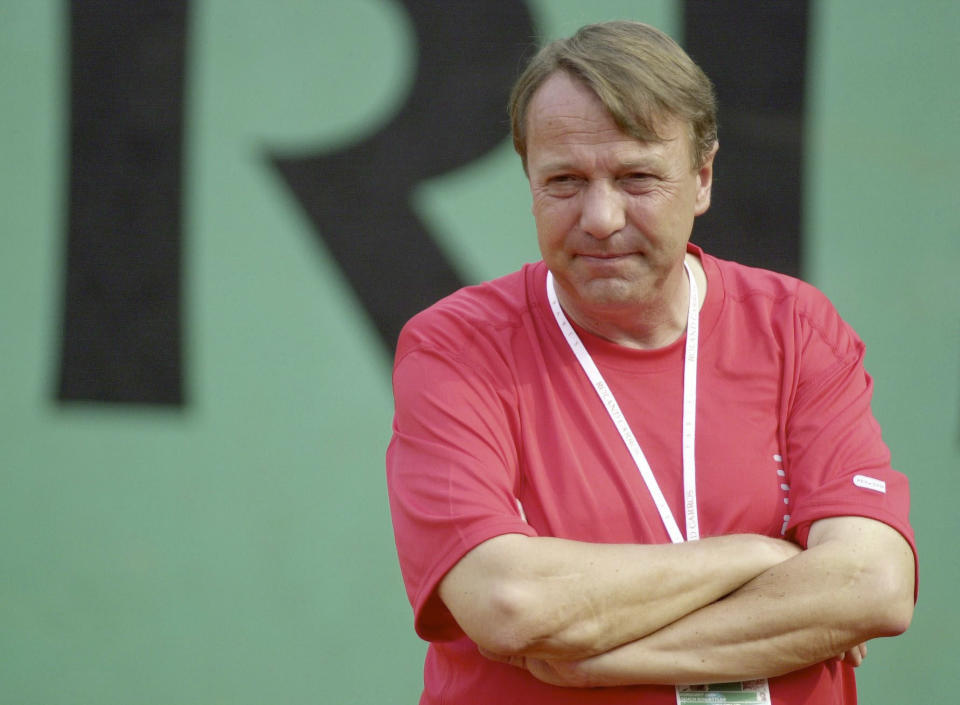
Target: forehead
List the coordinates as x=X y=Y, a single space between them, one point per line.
x=565 y=114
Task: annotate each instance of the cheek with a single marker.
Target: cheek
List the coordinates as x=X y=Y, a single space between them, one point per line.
x=550 y=244
x=553 y=223
x=662 y=215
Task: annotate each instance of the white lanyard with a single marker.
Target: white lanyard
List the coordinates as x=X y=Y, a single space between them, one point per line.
x=620 y=421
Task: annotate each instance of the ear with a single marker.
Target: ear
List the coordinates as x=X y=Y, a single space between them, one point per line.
x=705 y=181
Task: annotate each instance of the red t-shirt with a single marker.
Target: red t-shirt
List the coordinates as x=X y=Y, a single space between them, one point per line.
x=493 y=408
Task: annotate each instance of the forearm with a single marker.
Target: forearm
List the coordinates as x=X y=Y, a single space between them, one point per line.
x=552 y=598
x=803 y=611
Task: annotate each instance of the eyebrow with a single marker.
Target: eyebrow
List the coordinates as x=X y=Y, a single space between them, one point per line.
x=565 y=165
x=641 y=164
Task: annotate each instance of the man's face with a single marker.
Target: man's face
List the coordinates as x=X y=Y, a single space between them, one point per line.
x=613 y=214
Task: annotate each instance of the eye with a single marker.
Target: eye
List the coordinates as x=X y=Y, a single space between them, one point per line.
x=637 y=181
x=561 y=185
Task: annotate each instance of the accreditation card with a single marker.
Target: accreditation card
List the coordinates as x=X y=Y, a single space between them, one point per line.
x=755 y=691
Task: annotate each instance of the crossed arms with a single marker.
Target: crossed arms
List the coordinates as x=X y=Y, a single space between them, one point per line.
x=720 y=609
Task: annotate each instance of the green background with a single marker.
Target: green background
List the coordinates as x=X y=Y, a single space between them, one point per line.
x=240 y=550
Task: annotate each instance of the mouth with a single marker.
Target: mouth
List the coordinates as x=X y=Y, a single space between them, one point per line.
x=604 y=256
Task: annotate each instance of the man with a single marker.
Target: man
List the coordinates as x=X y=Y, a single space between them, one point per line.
x=633 y=466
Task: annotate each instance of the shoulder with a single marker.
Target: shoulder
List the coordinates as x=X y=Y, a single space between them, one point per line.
x=741 y=282
x=799 y=310
x=484 y=311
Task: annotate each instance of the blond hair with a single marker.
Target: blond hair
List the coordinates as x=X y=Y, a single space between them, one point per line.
x=639 y=74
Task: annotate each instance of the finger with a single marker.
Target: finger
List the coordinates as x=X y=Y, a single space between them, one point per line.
x=517 y=661
x=855 y=656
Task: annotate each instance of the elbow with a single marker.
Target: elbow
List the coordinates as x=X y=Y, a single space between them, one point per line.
x=901 y=621
x=503 y=631
x=506 y=620
x=519 y=621
x=878 y=567
x=888 y=599
x=509 y=603
x=896 y=611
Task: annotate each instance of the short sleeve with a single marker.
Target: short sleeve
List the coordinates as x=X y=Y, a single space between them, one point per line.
x=838 y=464
x=451 y=474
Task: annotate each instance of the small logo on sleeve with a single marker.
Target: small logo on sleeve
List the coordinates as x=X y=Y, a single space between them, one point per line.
x=870 y=483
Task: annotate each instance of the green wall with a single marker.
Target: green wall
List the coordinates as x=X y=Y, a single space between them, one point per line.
x=240 y=550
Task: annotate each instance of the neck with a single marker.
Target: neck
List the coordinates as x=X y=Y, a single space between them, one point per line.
x=644 y=325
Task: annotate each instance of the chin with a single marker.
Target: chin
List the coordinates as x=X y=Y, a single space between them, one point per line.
x=608 y=293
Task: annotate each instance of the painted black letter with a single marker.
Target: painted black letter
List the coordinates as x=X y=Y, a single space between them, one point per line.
x=122 y=324
x=359 y=198
x=755 y=53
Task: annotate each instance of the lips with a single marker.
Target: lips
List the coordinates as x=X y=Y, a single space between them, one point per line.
x=604 y=255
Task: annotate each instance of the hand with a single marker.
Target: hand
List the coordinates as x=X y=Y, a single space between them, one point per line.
x=567 y=674
x=855 y=655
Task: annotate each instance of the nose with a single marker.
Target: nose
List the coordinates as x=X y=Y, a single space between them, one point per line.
x=602 y=210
